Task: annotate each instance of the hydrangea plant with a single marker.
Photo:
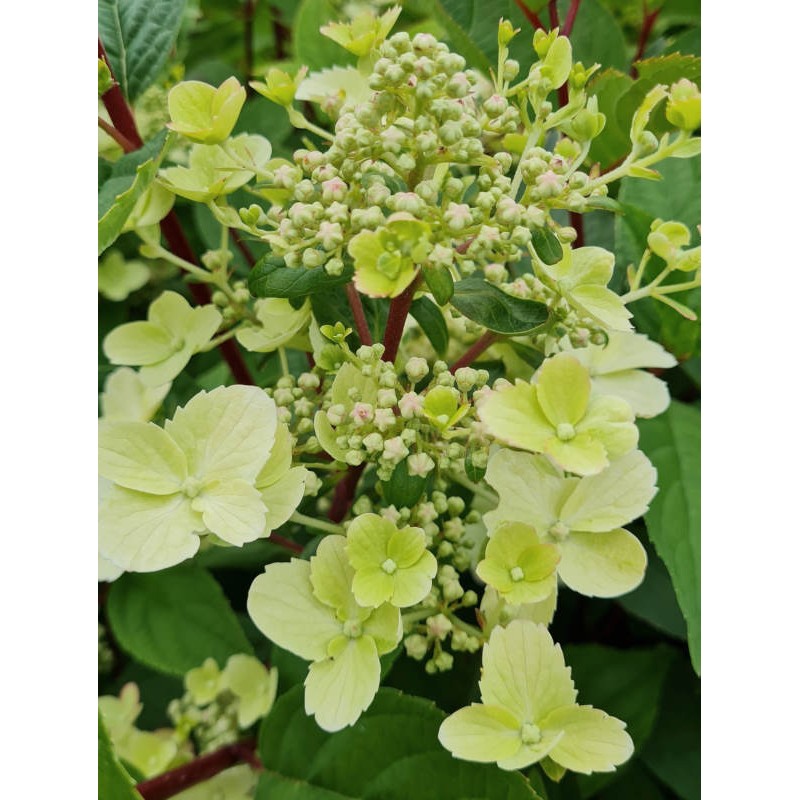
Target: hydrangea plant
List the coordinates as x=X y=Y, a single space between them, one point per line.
x=383 y=402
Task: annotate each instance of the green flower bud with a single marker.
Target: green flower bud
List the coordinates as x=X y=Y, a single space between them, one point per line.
x=416 y=646
x=683 y=105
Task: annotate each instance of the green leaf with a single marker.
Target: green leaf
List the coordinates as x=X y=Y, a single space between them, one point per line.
x=113 y=782
x=402 y=489
x=440 y=282
x=270 y=277
x=609 y=86
x=130 y=178
x=626 y=684
x=399 y=757
x=430 y=319
x=672 y=443
x=673 y=751
x=677 y=197
x=137 y=36
x=546 y=245
x=486 y=304
x=174 y=619
x=462 y=20
x=596 y=36
x=311 y=47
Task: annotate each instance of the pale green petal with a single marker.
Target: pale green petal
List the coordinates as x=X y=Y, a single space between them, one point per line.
x=283 y=497
x=603 y=305
x=524 y=671
x=117 y=278
x=368 y=539
x=253 y=684
x=531 y=592
x=280 y=458
x=602 y=564
x=144 y=532
x=204 y=682
x=530 y=754
x=172 y=312
x=204 y=323
x=593 y=741
x=611 y=420
x=233 y=510
x=584 y=454
x=150 y=753
x=647 y=395
x=412 y=584
x=120 y=713
x=189 y=104
x=529 y=487
x=331 y=573
x=619 y=494
x=592 y=265
x=624 y=351
x=563 y=387
x=126 y=398
x=137 y=343
x=234 y=783
x=494 y=574
x=107 y=570
x=284 y=609
x=327 y=437
x=280 y=321
x=385 y=626
x=497 y=611
x=481 y=733
x=226 y=433
x=406 y=546
x=509 y=541
x=339 y=689
x=164 y=371
x=514 y=416
x=372 y=586
x=350 y=377
x=140 y=456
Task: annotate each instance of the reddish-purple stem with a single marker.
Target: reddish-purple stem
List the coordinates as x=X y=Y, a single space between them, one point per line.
x=357 y=307
x=530 y=15
x=200 y=769
x=122 y=119
x=243 y=248
x=398 y=312
x=648 y=20
x=344 y=493
x=127 y=145
x=552 y=8
x=286 y=544
x=569 y=22
x=576 y=220
x=483 y=344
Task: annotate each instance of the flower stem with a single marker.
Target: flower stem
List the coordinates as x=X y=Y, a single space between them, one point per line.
x=530 y=15
x=465 y=626
x=569 y=22
x=126 y=144
x=484 y=343
x=344 y=493
x=648 y=20
x=398 y=312
x=357 y=307
x=286 y=544
x=318 y=524
x=200 y=769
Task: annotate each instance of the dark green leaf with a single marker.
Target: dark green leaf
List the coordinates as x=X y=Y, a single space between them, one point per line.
x=596 y=36
x=486 y=304
x=440 y=282
x=466 y=21
x=614 y=141
x=473 y=472
x=174 y=619
x=546 y=245
x=253 y=555
x=113 y=782
x=402 y=489
x=392 y=753
x=673 y=751
x=430 y=319
x=270 y=277
x=672 y=443
x=137 y=36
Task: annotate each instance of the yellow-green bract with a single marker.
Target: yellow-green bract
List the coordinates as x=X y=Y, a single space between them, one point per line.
x=529 y=710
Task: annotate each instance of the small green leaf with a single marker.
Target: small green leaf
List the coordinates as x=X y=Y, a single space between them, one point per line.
x=137 y=36
x=672 y=443
x=174 y=619
x=399 y=757
x=440 y=282
x=491 y=307
x=402 y=489
x=546 y=245
x=430 y=319
x=270 y=277
x=113 y=782
x=130 y=178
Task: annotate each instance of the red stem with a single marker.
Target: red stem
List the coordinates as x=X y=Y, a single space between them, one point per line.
x=344 y=493
x=127 y=145
x=200 y=769
x=122 y=118
x=576 y=220
x=398 y=312
x=245 y=250
x=357 y=307
x=648 y=21
x=531 y=16
x=483 y=344
x=569 y=22
x=552 y=8
x=287 y=544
